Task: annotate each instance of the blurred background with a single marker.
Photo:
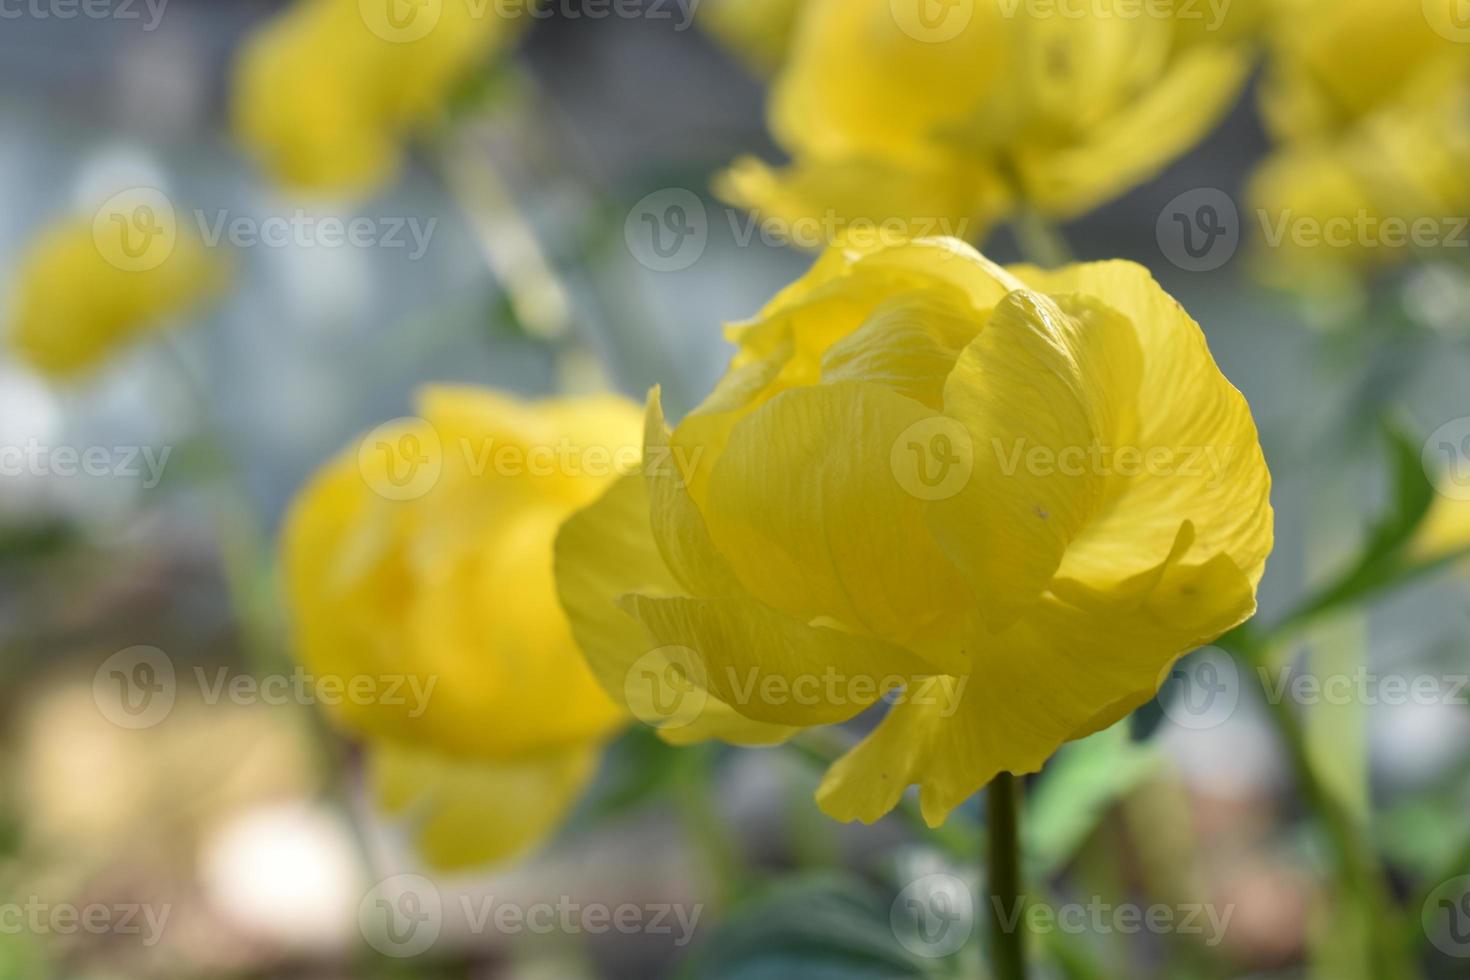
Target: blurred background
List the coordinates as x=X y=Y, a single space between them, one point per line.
x=230 y=837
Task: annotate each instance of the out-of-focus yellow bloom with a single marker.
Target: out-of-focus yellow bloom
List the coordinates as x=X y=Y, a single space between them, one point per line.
x=87 y=288
x=946 y=117
x=1445 y=532
x=425 y=554
x=1017 y=495
x=327 y=93
x=1370 y=102
x=759 y=31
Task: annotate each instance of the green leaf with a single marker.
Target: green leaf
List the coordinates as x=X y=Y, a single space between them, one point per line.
x=1381 y=564
x=637 y=768
x=1080 y=786
x=812 y=928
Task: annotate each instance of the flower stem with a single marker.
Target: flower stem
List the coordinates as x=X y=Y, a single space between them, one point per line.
x=1007 y=934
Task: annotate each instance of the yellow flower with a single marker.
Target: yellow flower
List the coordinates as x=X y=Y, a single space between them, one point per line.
x=1370 y=101
x=1013 y=496
x=947 y=116
x=759 y=31
x=328 y=92
x=87 y=288
x=419 y=565
x=1446 y=530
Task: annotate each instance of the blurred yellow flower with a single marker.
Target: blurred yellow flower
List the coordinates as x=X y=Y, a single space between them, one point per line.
x=86 y=288
x=759 y=31
x=1445 y=532
x=419 y=563
x=326 y=94
x=948 y=117
x=1370 y=103
x=1008 y=498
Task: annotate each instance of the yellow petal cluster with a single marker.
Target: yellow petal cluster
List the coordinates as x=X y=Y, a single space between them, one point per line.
x=1369 y=101
x=758 y=31
x=1006 y=499
x=85 y=288
x=947 y=116
x=326 y=94
x=421 y=557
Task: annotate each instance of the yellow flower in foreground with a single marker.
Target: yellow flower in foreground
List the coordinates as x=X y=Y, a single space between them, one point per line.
x=327 y=93
x=759 y=31
x=87 y=288
x=419 y=568
x=948 y=117
x=1008 y=498
x=1370 y=101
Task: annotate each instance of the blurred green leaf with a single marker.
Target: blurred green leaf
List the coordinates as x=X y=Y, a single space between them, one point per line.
x=1081 y=785
x=638 y=767
x=1381 y=564
x=812 y=928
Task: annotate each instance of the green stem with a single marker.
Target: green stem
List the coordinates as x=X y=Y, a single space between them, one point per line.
x=1007 y=932
x=1039 y=240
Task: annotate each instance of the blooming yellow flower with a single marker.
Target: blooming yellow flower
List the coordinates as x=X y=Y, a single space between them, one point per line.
x=1370 y=102
x=947 y=116
x=418 y=564
x=759 y=31
x=1008 y=498
x=86 y=288
x=327 y=93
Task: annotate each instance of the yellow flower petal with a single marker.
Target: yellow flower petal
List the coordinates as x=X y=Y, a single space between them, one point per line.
x=464 y=813
x=606 y=551
x=1092 y=648
x=1037 y=380
x=1198 y=455
x=805 y=505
